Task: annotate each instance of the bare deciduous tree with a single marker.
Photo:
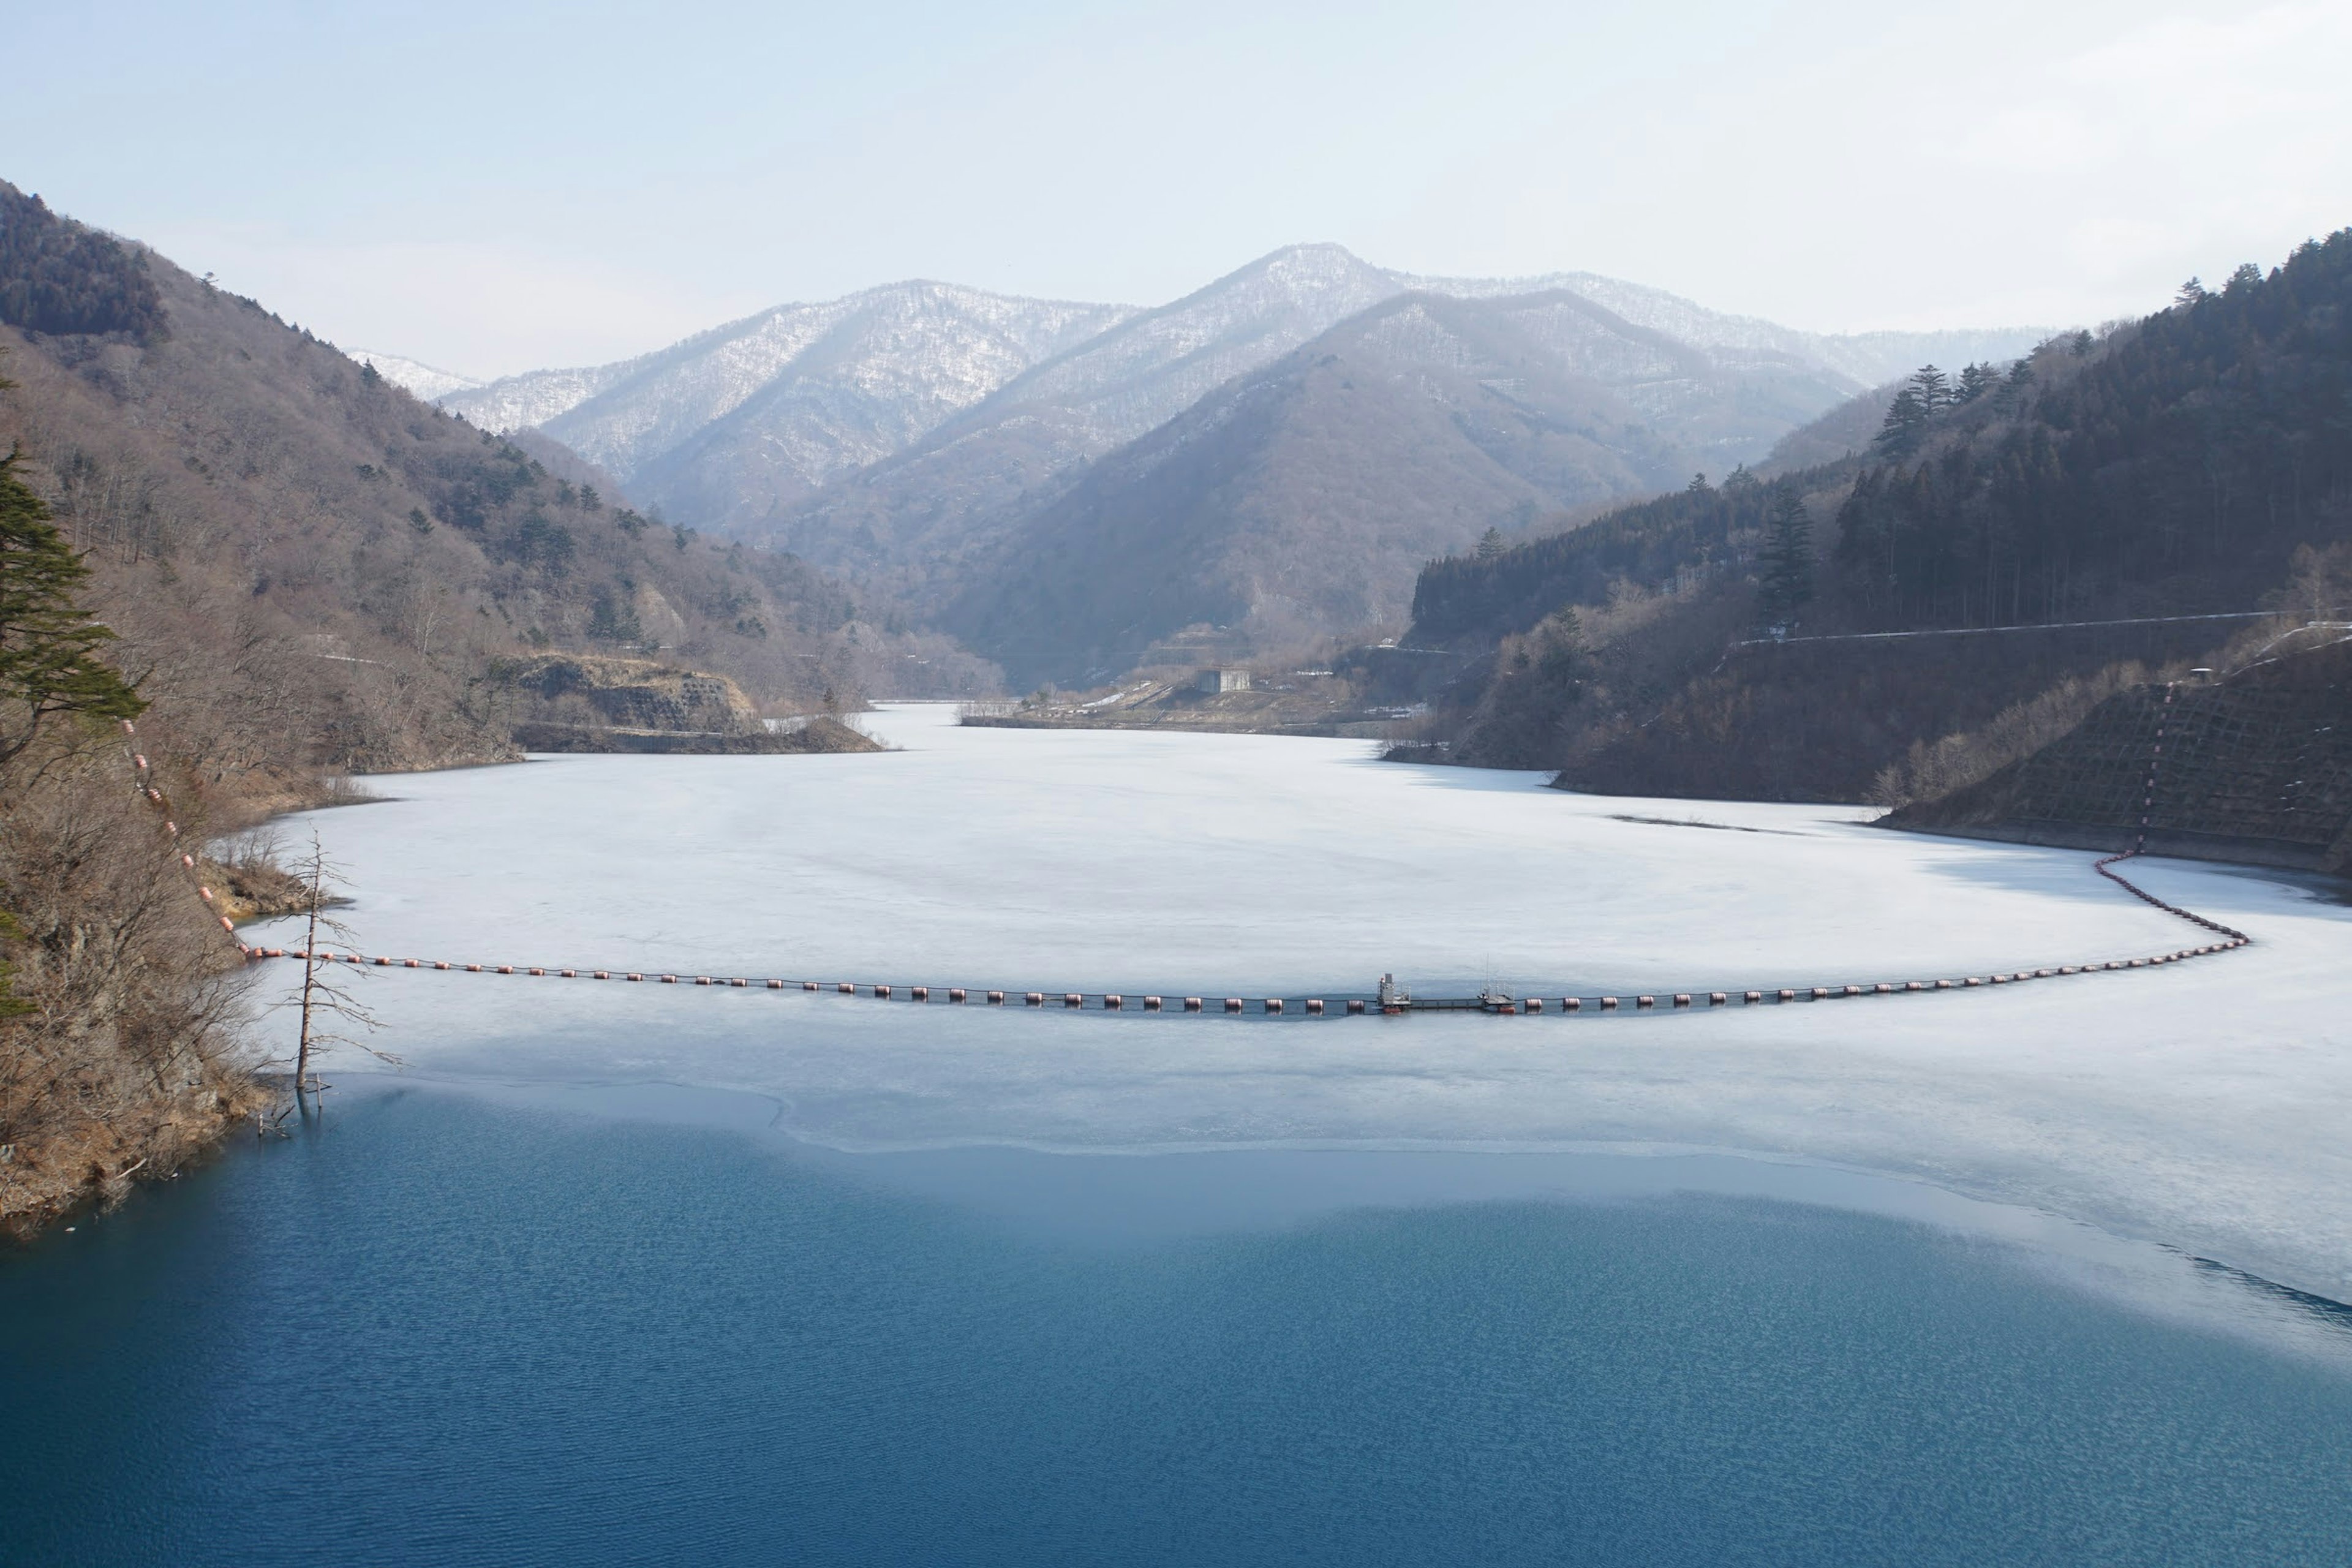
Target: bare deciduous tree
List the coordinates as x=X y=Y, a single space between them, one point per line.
x=324 y=1002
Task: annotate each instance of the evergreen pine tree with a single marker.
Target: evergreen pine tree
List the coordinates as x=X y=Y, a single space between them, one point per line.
x=1490 y=544
x=1907 y=417
x=48 y=644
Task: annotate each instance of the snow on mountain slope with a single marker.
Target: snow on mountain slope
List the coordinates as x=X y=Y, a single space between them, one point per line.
x=1870 y=359
x=923 y=517
x=832 y=385
x=515 y=403
x=428 y=381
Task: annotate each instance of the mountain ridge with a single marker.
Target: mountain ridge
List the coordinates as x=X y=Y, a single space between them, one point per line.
x=1295 y=504
x=820 y=474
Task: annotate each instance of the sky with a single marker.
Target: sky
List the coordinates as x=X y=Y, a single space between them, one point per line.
x=496 y=186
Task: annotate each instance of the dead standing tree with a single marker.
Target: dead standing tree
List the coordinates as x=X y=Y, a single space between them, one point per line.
x=324 y=1001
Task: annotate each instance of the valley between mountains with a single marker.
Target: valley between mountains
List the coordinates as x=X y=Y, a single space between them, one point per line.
x=1563 y=522
x=989 y=463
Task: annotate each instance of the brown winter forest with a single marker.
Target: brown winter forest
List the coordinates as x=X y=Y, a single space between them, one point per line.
x=306 y=574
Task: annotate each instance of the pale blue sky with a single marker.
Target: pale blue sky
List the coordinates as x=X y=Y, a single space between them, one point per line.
x=493 y=186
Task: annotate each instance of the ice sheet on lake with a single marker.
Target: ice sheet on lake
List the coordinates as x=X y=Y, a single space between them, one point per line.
x=2202 y=1105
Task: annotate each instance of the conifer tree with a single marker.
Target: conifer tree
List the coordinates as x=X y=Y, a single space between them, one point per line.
x=1907 y=417
x=48 y=642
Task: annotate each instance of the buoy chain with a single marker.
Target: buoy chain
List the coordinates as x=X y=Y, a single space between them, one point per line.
x=1312 y=1006
x=143 y=776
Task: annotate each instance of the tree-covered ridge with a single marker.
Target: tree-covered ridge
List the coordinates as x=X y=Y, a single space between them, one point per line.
x=2177 y=465
x=1494 y=593
x=61 y=277
x=2198 y=460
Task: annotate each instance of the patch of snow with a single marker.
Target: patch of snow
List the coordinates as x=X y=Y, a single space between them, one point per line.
x=427 y=381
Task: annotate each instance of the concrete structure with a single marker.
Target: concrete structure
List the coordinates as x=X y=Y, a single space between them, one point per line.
x=1214 y=682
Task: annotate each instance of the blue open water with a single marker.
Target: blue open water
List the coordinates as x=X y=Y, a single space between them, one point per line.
x=449 y=1330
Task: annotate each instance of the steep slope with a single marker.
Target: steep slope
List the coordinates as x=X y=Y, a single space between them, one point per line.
x=2195 y=463
x=314 y=569
x=1295 y=504
x=752 y=416
x=919 y=520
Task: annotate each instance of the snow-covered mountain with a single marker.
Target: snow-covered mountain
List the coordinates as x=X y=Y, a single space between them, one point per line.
x=898 y=432
x=427 y=381
x=921 y=519
x=780 y=401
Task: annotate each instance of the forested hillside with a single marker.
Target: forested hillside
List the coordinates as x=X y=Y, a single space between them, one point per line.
x=313 y=569
x=2195 y=462
x=299 y=571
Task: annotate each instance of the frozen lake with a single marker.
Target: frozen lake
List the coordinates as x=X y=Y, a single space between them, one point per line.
x=2202 y=1106
x=641 y=1273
